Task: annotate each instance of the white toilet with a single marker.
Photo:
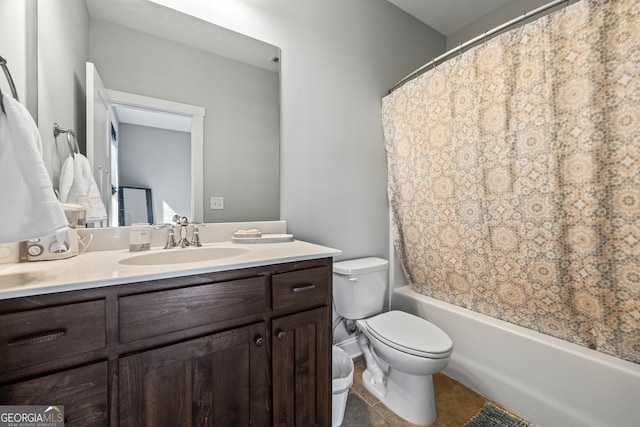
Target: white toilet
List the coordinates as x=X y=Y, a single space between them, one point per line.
x=401 y=351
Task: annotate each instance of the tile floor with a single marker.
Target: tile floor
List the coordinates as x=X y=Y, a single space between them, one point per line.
x=455 y=404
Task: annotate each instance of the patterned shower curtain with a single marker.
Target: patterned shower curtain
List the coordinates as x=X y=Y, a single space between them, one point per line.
x=514 y=177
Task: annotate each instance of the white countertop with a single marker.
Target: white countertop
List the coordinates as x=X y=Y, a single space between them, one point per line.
x=102 y=268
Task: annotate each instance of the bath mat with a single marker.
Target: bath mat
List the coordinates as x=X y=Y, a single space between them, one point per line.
x=492 y=416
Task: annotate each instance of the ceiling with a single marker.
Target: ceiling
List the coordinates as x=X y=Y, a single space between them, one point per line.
x=160 y=21
x=448 y=16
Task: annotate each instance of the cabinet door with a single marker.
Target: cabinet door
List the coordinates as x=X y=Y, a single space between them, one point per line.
x=82 y=392
x=220 y=380
x=302 y=369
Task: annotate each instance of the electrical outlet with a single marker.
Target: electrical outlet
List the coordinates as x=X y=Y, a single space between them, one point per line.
x=217 y=203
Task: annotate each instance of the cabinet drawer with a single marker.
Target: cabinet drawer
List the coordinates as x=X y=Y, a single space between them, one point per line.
x=82 y=391
x=42 y=335
x=298 y=290
x=158 y=313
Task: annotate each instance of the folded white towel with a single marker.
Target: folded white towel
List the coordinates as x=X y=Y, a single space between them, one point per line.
x=76 y=178
x=28 y=207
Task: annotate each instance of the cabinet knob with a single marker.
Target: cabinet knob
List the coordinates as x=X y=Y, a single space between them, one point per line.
x=281 y=335
x=259 y=342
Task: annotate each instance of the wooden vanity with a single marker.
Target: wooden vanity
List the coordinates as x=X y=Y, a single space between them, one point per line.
x=245 y=346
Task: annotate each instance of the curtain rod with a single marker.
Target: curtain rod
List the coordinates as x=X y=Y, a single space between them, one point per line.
x=483 y=36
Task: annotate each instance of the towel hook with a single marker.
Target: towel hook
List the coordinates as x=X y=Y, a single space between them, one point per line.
x=73 y=148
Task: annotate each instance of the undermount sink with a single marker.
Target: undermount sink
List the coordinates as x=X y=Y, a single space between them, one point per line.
x=181 y=256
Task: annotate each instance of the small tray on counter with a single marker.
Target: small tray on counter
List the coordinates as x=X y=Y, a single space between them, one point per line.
x=264 y=238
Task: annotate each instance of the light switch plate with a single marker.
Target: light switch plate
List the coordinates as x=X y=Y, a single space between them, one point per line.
x=217 y=203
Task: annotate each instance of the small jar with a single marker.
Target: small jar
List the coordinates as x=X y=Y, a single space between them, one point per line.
x=139 y=237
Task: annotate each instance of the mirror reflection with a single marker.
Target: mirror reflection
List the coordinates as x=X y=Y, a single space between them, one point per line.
x=134 y=206
x=149 y=147
x=147 y=50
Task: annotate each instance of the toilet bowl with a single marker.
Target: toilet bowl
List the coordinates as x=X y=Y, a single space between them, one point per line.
x=407 y=342
x=399 y=372
x=401 y=351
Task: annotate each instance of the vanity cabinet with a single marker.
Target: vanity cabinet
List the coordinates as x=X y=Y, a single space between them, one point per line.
x=302 y=369
x=40 y=350
x=301 y=348
x=239 y=347
x=220 y=379
x=82 y=391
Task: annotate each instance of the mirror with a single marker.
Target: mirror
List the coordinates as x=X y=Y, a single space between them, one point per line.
x=135 y=206
x=143 y=48
x=141 y=144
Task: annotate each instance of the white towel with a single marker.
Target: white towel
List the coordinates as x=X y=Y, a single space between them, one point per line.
x=76 y=178
x=28 y=206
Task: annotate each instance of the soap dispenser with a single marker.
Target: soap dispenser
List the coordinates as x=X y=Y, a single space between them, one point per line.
x=139 y=237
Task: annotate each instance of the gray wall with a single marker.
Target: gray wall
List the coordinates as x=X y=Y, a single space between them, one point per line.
x=338 y=60
x=242 y=122
x=14 y=45
x=61 y=75
x=495 y=18
x=151 y=158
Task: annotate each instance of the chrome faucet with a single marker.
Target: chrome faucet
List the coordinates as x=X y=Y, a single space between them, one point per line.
x=171 y=240
x=183 y=222
x=183 y=241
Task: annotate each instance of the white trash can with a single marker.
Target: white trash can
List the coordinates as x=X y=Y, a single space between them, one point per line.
x=341 y=380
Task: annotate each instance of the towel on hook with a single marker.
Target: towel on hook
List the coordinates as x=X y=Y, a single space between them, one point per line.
x=28 y=207
x=76 y=179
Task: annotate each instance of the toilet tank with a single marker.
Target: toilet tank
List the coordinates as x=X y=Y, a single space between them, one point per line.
x=359 y=287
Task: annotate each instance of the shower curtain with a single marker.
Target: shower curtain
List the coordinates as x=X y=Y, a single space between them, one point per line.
x=514 y=177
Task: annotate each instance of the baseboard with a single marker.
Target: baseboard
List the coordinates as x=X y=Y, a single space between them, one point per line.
x=351 y=346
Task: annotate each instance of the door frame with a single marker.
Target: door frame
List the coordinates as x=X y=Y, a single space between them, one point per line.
x=197 y=138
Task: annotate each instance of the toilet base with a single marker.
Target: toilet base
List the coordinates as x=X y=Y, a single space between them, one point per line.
x=409 y=396
x=377 y=388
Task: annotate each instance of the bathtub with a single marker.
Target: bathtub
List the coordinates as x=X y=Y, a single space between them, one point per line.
x=548 y=381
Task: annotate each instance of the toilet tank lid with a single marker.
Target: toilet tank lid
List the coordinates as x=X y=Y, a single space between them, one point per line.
x=360 y=266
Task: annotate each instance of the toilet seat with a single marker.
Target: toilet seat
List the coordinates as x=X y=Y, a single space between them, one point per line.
x=410 y=334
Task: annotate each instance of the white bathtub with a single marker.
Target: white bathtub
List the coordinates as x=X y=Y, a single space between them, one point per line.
x=548 y=381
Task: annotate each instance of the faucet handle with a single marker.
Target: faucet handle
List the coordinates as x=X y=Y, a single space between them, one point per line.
x=171 y=240
x=195 y=238
x=180 y=220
